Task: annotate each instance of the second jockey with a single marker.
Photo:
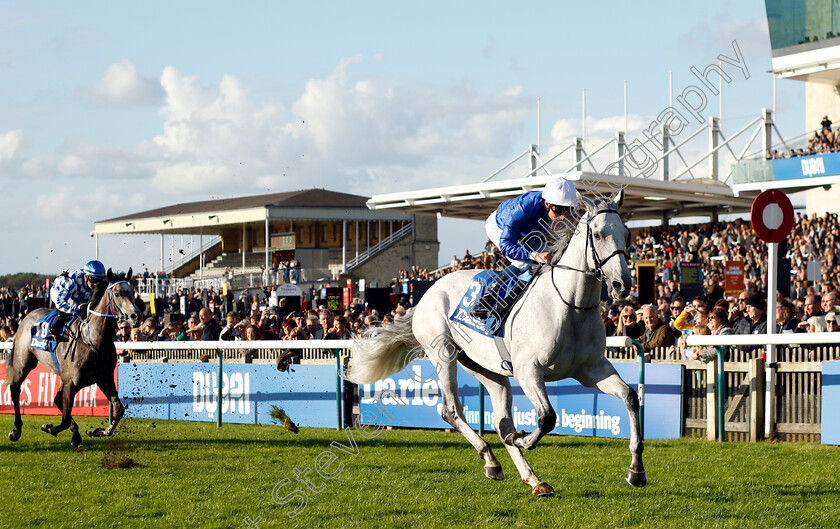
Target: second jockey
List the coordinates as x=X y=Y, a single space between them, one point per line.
x=517 y=227
x=70 y=293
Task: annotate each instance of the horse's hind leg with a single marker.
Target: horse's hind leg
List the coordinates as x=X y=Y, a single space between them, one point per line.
x=76 y=440
x=17 y=371
x=452 y=412
x=604 y=377
x=110 y=390
x=64 y=402
x=498 y=387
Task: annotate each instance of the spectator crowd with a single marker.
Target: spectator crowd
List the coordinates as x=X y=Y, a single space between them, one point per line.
x=824 y=140
x=207 y=314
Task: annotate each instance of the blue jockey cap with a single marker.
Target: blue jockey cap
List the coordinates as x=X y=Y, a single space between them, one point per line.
x=94 y=270
x=560 y=192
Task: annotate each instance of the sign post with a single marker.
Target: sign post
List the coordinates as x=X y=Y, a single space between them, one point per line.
x=771 y=218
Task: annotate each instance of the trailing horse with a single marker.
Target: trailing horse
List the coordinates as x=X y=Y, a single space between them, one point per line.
x=89 y=357
x=554 y=331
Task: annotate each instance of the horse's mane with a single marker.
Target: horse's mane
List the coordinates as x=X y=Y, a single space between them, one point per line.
x=561 y=231
x=98 y=291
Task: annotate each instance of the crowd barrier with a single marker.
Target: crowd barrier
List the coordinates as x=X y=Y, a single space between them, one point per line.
x=719 y=400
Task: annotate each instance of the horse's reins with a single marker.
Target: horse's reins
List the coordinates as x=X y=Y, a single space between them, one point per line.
x=111 y=312
x=598 y=272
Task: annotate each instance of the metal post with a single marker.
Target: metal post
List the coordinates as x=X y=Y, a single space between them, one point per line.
x=578 y=153
x=532 y=160
x=96 y=243
x=714 y=138
x=244 y=227
x=770 y=372
x=626 y=125
x=338 y=388
x=219 y=392
x=267 y=241
x=583 y=120
x=767 y=136
x=538 y=124
x=721 y=392
x=201 y=252
x=620 y=147
x=640 y=351
x=161 y=252
x=343 y=246
x=480 y=408
x=665 y=134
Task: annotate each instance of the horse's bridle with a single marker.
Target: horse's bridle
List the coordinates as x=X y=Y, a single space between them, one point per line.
x=111 y=312
x=598 y=271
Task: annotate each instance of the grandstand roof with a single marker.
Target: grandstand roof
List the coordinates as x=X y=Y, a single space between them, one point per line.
x=644 y=198
x=210 y=216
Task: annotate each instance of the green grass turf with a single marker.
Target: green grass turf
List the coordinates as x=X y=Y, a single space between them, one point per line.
x=195 y=475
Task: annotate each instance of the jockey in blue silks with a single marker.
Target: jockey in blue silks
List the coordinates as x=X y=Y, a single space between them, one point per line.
x=519 y=228
x=70 y=293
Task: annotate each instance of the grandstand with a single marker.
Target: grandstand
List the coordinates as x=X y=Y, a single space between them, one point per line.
x=331 y=235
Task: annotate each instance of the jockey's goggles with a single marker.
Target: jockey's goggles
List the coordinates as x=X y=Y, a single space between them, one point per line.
x=560 y=210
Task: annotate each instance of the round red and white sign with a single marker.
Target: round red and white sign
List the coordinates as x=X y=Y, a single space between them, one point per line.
x=772 y=216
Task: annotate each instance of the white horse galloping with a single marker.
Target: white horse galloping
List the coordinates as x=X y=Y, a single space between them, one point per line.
x=554 y=331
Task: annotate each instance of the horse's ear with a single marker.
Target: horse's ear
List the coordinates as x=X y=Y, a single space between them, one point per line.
x=128 y=274
x=110 y=276
x=618 y=199
x=587 y=203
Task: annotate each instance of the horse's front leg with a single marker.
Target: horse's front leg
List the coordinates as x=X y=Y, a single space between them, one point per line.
x=64 y=402
x=604 y=377
x=110 y=390
x=530 y=378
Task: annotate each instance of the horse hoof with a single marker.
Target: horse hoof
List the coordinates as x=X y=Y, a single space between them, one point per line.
x=14 y=435
x=510 y=439
x=494 y=473
x=48 y=428
x=543 y=489
x=76 y=440
x=637 y=479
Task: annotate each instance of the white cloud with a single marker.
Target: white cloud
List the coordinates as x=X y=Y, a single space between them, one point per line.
x=73 y=206
x=122 y=85
x=188 y=177
x=219 y=138
x=9 y=144
x=565 y=130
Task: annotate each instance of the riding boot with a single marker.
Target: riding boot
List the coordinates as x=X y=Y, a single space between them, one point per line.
x=58 y=325
x=484 y=306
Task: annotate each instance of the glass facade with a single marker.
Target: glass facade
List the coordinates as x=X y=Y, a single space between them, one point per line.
x=794 y=22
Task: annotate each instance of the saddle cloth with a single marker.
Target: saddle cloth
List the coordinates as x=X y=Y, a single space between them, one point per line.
x=40 y=331
x=489 y=326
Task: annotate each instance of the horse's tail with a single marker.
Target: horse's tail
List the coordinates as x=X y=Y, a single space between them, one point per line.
x=10 y=366
x=383 y=351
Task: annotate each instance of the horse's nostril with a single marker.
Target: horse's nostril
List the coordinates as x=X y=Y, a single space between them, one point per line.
x=618 y=286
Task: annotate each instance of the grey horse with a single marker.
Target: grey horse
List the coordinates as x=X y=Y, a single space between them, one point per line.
x=554 y=331
x=89 y=357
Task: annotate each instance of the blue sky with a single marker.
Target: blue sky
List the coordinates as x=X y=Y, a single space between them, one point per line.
x=108 y=109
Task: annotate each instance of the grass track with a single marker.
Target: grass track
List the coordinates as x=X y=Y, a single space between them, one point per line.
x=195 y=475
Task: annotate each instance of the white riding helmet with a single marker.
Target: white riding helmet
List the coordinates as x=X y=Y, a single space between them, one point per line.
x=560 y=192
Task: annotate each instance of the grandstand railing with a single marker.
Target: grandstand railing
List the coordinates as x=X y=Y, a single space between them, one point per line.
x=380 y=247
